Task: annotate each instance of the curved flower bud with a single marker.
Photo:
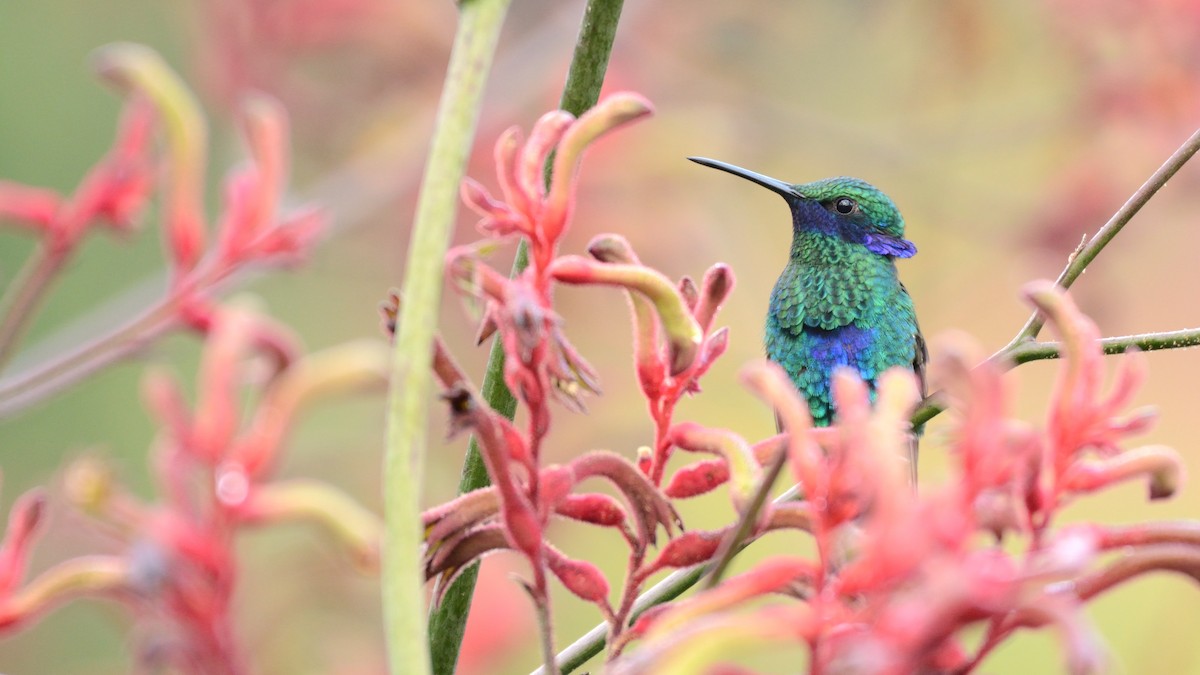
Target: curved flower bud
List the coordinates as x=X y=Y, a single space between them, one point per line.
x=140 y=69
x=457 y=515
x=252 y=195
x=1170 y=532
x=716 y=287
x=531 y=165
x=689 y=548
x=359 y=530
x=691 y=294
x=650 y=507
x=612 y=248
x=580 y=577
x=743 y=468
x=505 y=155
x=1138 y=560
x=682 y=331
x=595 y=508
x=350 y=367
x=712 y=349
x=1160 y=464
x=82 y=576
x=697 y=478
x=216 y=417
x=23 y=522
x=610 y=113
x=458 y=554
x=498 y=219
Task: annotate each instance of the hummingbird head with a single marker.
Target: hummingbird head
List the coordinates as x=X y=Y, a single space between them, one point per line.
x=849 y=208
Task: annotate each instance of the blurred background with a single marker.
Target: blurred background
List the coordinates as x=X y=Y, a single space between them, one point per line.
x=1004 y=132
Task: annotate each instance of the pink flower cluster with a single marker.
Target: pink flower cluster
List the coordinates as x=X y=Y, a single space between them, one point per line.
x=176 y=569
x=252 y=228
x=674 y=344
x=898 y=576
x=112 y=193
x=173 y=563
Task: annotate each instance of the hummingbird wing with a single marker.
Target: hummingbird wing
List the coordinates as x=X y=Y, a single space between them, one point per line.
x=920 y=354
x=920 y=358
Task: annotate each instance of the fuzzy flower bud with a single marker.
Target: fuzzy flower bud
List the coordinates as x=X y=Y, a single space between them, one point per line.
x=579 y=576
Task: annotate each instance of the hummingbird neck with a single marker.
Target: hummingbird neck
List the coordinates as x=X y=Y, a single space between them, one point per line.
x=817 y=249
x=830 y=282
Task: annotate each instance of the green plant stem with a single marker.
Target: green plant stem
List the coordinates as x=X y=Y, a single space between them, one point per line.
x=1147 y=342
x=590 y=60
x=741 y=532
x=1028 y=351
x=25 y=389
x=592 y=642
x=447 y=621
x=41 y=381
x=24 y=294
x=1024 y=348
x=411 y=377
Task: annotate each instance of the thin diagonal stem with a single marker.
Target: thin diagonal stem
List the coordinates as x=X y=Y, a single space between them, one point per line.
x=22 y=390
x=24 y=295
x=1079 y=262
x=734 y=541
x=1023 y=348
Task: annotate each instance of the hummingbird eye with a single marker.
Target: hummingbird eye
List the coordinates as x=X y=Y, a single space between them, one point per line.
x=845 y=205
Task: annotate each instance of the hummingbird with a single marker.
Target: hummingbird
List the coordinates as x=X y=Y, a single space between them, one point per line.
x=839 y=301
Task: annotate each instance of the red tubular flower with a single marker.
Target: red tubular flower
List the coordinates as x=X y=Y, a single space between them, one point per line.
x=498 y=219
x=743 y=467
x=112 y=193
x=697 y=478
x=689 y=548
x=23 y=522
x=141 y=71
x=251 y=229
x=716 y=287
x=682 y=332
x=117 y=188
x=30 y=207
x=580 y=577
x=216 y=418
x=594 y=508
x=1082 y=420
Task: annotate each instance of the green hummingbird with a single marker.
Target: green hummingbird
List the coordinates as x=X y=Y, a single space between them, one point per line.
x=839 y=301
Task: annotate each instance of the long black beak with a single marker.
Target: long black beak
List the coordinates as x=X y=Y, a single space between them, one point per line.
x=774 y=185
